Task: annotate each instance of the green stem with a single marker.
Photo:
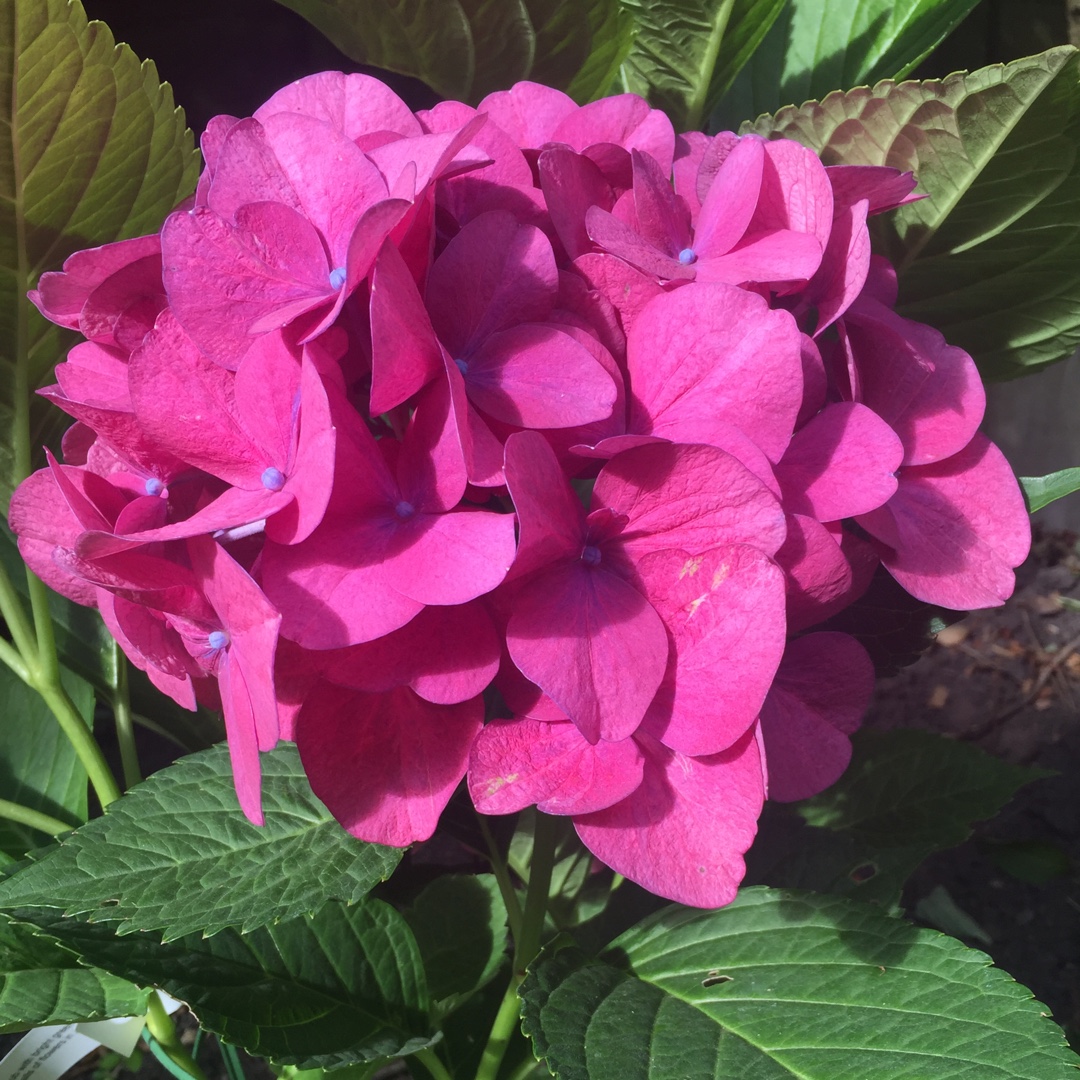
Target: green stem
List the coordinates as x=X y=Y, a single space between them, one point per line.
x=22 y=633
x=524 y=1069
x=34 y=819
x=82 y=740
x=431 y=1061
x=502 y=876
x=160 y=1025
x=125 y=726
x=11 y=657
x=48 y=661
x=526 y=945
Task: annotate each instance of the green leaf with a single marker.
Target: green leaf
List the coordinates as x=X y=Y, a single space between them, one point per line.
x=342 y=986
x=42 y=983
x=992 y=257
x=915 y=787
x=459 y=922
x=675 y=53
x=817 y=46
x=563 y=36
x=783 y=984
x=176 y=855
x=38 y=766
x=611 y=36
x=1040 y=491
x=94 y=151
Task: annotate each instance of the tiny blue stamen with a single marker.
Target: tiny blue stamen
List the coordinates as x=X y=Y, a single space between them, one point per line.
x=154 y=486
x=688 y=256
x=590 y=555
x=273 y=479
x=218 y=639
x=462 y=366
x=338 y=276
x=404 y=509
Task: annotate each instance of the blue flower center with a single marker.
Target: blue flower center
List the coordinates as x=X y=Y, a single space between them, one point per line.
x=338 y=276
x=218 y=639
x=687 y=256
x=590 y=555
x=404 y=509
x=153 y=486
x=462 y=366
x=273 y=479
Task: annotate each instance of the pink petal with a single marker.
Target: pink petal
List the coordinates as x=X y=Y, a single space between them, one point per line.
x=842 y=463
x=243 y=742
x=774 y=257
x=728 y=205
x=724 y=611
x=682 y=834
x=516 y=763
x=528 y=112
x=616 y=238
x=955 y=529
x=795 y=192
x=821 y=580
x=628 y=290
x=571 y=184
x=623 y=119
x=385 y=764
x=575 y=631
x=822 y=689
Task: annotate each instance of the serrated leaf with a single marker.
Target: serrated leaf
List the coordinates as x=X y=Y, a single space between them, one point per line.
x=342 y=986
x=817 y=46
x=915 y=787
x=611 y=36
x=992 y=257
x=459 y=922
x=786 y=985
x=94 y=151
x=177 y=856
x=675 y=54
x=1040 y=491
x=39 y=768
x=563 y=39
x=42 y=983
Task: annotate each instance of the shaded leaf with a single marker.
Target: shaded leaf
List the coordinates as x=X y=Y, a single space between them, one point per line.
x=176 y=855
x=1040 y=491
x=459 y=922
x=915 y=787
x=94 y=151
x=42 y=983
x=817 y=46
x=38 y=767
x=781 y=984
x=343 y=986
x=611 y=36
x=992 y=257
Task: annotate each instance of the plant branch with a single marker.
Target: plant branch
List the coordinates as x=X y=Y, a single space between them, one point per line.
x=160 y=1025
x=502 y=876
x=432 y=1062
x=125 y=725
x=34 y=819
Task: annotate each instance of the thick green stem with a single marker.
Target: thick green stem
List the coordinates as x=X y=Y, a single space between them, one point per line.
x=22 y=632
x=34 y=819
x=125 y=726
x=526 y=946
x=160 y=1025
x=10 y=656
x=502 y=876
x=431 y=1061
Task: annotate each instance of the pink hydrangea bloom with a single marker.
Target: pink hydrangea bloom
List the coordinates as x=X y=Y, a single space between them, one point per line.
x=533 y=411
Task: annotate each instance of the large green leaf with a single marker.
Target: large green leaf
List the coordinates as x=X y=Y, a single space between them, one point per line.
x=687 y=52
x=611 y=36
x=94 y=151
x=817 y=46
x=992 y=257
x=176 y=855
x=42 y=983
x=38 y=767
x=342 y=986
x=786 y=985
x=905 y=795
x=459 y=922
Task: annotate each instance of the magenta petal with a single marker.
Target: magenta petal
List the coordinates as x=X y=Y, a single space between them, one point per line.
x=822 y=689
x=623 y=119
x=616 y=238
x=446 y=654
x=729 y=205
x=404 y=351
x=538 y=376
x=682 y=834
x=516 y=763
x=551 y=520
x=576 y=631
x=385 y=764
x=700 y=354
x=243 y=742
x=724 y=611
x=231 y=509
x=627 y=289
x=955 y=530
x=821 y=581
x=842 y=463
x=779 y=256
x=431 y=466
x=266 y=394
x=528 y=112
x=571 y=184
x=662 y=215
x=691 y=498
x=451 y=558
